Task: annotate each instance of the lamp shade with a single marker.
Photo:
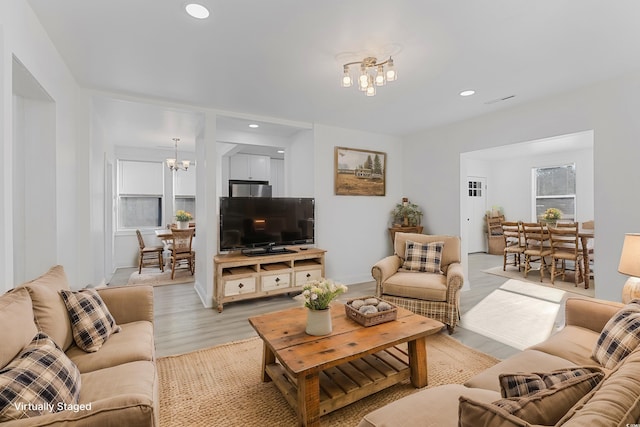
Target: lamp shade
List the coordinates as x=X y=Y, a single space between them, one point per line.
x=630 y=258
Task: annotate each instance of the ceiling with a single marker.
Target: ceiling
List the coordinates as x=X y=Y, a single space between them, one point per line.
x=283 y=58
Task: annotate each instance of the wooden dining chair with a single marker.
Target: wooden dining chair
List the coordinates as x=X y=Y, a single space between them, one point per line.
x=513 y=243
x=565 y=246
x=149 y=255
x=537 y=246
x=590 y=225
x=181 y=240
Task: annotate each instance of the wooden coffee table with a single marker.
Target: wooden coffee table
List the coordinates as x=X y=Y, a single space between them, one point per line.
x=318 y=375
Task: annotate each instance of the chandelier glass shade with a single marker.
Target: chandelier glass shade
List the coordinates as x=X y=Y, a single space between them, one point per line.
x=371 y=74
x=175 y=164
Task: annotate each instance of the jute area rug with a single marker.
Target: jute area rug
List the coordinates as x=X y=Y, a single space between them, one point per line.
x=221 y=386
x=519 y=314
x=534 y=277
x=154 y=277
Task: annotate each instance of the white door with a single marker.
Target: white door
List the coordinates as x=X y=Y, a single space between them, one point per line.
x=476 y=209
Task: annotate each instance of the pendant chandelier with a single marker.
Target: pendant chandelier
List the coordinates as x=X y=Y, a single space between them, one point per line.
x=174 y=164
x=371 y=74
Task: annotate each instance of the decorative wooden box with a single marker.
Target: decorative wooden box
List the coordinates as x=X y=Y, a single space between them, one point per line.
x=370 y=319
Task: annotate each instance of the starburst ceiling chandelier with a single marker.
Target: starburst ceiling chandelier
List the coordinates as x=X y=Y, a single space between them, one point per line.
x=371 y=74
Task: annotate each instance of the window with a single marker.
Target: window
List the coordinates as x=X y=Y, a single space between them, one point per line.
x=555 y=187
x=140 y=194
x=186 y=203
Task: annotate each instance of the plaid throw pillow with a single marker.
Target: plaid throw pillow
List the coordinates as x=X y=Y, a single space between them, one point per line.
x=91 y=321
x=520 y=385
x=424 y=257
x=548 y=406
x=619 y=337
x=39 y=379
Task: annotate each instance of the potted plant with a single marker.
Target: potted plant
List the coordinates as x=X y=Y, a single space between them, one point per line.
x=317 y=296
x=183 y=218
x=406 y=214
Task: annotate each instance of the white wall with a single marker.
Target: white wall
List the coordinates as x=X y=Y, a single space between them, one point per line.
x=608 y=108
x=353 y=229
x=511 y=183
x=508 y=173
x=299 y=166
x=23 y=37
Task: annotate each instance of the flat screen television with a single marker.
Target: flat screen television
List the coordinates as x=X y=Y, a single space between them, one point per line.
x=259 y=225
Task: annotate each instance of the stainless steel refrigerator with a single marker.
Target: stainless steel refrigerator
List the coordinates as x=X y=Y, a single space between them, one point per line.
x=239 y=188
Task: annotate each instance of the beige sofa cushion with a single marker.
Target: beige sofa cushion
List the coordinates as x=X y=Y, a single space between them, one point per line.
x=572 y=343
x=614 y=402
x=125 y=395
x=15 y=310
x=438 y=407
x=425 y=286
x=48 y=308
x=472 y=413
x=133 y=343
x=525 y=361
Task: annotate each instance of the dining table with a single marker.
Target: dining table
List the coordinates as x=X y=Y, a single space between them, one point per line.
x=165 y=233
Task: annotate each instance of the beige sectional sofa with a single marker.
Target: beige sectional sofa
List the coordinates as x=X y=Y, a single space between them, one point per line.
x=119 y=382
x=615 y=401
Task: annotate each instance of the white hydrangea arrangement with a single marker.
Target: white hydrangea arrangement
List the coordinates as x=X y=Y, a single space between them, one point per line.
x=319 y=293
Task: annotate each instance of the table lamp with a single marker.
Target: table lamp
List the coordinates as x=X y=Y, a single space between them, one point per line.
x=630 y=265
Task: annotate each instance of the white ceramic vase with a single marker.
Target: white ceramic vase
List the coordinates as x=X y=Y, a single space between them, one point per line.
x=318 y=322
x=183 y=225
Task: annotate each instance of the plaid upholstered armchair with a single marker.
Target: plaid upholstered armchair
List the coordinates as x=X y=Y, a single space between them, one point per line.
x=424 y=275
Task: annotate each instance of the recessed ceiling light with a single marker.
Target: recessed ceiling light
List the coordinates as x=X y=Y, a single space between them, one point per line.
x=281 y=151
x=197 y=10
x=253 y=125
x=467 y=92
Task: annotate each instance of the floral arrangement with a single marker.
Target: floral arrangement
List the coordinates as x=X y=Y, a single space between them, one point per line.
x=552 y=214
x=183 y=216
x=319 y=293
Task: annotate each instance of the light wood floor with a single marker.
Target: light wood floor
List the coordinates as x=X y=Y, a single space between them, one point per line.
x=182 y=324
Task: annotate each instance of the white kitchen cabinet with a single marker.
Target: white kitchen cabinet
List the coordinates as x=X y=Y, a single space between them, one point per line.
x=250 y=167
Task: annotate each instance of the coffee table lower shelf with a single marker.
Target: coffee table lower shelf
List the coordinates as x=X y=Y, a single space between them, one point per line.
x=349 y=382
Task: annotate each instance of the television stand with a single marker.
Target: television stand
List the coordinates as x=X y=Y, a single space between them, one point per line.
x=267 y=251
x=239 y=277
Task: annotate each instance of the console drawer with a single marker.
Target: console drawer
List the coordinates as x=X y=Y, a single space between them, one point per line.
x=276 y=281
x=240 y=286
x=304 y=276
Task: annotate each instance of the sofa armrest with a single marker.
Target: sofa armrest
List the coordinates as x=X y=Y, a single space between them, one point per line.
x=129 y=303
x=384 y=269
x=455 y=280
x=592 y=314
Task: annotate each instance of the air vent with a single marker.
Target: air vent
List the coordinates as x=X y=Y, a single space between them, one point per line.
x=500 y=99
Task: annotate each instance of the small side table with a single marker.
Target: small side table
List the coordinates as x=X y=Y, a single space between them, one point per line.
x=408 y=229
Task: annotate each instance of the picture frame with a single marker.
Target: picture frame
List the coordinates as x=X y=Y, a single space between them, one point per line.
x=359 y=172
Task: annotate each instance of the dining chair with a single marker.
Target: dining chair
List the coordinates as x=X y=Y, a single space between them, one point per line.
x=181 y=240
x=590 y=225
x=149 y=255
x=495 y=242
x=513 y=243
x=537 y=246
x=565 y=246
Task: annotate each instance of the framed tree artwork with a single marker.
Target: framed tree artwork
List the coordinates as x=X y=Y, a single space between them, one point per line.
x=359 y=172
